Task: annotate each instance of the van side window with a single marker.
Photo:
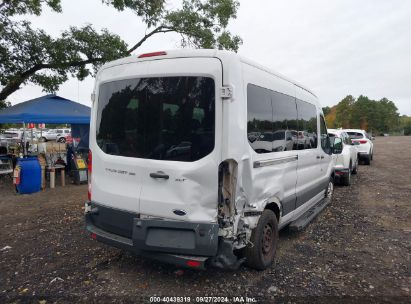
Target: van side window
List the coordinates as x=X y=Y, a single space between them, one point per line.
x=307 y=125
x=259 y=119
x=284 y=122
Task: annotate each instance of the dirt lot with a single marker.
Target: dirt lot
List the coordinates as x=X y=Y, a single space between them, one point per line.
x=358 y=250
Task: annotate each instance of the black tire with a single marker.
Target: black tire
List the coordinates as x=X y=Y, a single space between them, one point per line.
x=329 y=191
x=346 y=178
x=43 y=139
x=355 y=169
x=261 y=253
x=61 y=140
x=367 y=160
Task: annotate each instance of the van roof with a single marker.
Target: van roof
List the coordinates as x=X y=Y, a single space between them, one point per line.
x=221 y=54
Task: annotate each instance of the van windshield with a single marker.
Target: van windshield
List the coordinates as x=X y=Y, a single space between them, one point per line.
x=164 y=118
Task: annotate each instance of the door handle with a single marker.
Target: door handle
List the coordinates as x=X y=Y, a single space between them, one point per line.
x=318 y=156
x=159 y=174
x=322 y=156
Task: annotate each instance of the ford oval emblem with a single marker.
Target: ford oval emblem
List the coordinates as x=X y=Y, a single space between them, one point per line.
x=179 y=212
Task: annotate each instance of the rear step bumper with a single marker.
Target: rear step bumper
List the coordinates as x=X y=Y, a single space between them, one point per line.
x=181 y=243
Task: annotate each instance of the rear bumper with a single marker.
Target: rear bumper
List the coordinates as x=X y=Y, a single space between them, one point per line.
x=341 y=171
x=363 y=154
x=181 y=243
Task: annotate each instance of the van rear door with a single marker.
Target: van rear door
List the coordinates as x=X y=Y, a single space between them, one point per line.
x=158 y=123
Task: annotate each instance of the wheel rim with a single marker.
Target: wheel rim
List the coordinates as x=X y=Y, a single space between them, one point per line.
x=267 y=240
x=330 y=189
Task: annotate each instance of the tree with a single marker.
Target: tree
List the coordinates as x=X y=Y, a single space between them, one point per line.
x=407 y=128
x=331 y=117
x=363 y=113
x=30 y=55
x=326 y=110
x=344 y=112
x=4 y=104
x=390 y=118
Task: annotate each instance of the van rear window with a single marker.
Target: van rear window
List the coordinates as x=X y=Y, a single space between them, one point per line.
x=164 y=118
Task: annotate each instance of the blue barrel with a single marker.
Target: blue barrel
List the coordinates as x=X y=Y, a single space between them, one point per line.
x=30 y=175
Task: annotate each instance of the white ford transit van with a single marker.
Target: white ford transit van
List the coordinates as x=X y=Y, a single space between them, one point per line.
x=196 y=158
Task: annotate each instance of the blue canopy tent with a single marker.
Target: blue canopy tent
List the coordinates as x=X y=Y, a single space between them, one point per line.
x=51 y=109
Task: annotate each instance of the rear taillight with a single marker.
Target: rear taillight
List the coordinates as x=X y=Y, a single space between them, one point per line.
x=90 y=167
x=363 y=141
x=192 y=263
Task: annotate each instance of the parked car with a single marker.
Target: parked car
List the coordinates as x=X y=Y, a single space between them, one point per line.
x=365 y=147
x=224 y=202
x=14 y=136
x=345 y=163
x=59 y=135
x=305 y=140
x=280 y=140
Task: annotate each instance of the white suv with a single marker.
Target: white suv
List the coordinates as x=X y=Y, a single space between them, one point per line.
x=345 y=163
x=59 y=135
x=365 y=147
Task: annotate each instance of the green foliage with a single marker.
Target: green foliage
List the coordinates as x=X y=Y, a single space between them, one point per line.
x=407 y=129
x=405 y=124
x=32 y=7
x=344 y=111
x=31 y=55
x=363 y=113
x=326 y=110
x=4 y=104
x=148 y=9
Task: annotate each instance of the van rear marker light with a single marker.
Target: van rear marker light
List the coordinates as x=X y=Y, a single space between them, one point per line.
x=154 y=54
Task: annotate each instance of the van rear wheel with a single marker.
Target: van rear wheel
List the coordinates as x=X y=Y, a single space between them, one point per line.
x=264 y=238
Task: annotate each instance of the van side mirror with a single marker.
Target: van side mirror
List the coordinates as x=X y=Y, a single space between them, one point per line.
x=337 y=146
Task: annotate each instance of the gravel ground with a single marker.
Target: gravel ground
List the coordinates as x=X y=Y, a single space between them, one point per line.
x=356 y=251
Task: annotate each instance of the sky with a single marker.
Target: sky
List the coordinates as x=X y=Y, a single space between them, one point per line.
x=335 y=48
